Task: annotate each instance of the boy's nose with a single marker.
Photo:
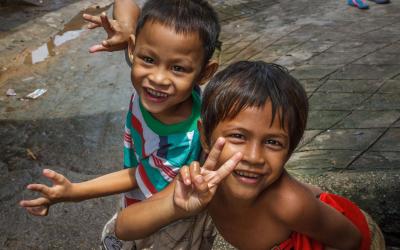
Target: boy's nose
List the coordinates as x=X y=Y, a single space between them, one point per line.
x=254 y=154
x=159 y=77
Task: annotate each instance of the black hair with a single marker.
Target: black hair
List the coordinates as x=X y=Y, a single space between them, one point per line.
x=251 y=84
x=185 y=16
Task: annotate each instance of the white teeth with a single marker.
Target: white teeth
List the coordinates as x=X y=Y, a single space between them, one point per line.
x=156 y=93
x=247 y=174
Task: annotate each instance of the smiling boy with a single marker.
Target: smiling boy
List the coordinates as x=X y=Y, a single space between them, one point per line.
x=253 y=117
x=171 y=57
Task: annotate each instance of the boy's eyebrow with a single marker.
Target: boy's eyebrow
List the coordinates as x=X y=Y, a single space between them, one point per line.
x=274 y=134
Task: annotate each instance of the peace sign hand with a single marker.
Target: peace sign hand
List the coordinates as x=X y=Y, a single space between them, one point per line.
x=195 y=186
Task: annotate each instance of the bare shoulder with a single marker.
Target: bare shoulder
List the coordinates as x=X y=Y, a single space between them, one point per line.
x=293 y=200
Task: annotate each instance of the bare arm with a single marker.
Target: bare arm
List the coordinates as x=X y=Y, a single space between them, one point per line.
x=321 y=222
x=63 y=190
x=126 y=12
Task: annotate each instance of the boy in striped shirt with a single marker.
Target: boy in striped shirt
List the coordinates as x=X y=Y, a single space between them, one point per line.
x=171 y=57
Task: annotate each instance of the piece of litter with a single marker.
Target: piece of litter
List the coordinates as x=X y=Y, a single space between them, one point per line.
x=35 y=94
x=31 y=154
x=11 y=92
x=28 y=79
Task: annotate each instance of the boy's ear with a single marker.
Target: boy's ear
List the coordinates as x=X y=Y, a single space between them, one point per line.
x=203 y=140
x=209 y=70
x=131 y=47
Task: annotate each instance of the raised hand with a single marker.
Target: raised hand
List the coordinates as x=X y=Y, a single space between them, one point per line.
x=196 y=186
x=60 y=191
x=117 y=33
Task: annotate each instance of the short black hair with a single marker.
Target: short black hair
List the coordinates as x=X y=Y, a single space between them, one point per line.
x=251 y=84
x=185 y=16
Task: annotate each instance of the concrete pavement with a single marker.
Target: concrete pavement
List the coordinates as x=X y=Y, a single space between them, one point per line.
x=346 y=58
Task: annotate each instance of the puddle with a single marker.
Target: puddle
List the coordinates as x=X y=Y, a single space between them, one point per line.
x=72 y=30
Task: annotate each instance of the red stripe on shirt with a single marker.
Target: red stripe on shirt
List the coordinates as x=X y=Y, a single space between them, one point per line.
x=138 y=127
x=167 y=170
x=146 y=181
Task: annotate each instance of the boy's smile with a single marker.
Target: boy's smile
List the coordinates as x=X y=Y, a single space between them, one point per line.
x=166 y=66
x=264 y=149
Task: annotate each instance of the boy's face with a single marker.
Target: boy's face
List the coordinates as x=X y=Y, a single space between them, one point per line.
x=264 y=148
x=166 y=66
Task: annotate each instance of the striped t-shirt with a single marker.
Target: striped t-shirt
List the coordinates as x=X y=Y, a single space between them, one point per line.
x=158 y=150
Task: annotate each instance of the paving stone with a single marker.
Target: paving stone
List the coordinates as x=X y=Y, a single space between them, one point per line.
x=382 y=102
x=377 y=160
x=391 y=86
x=315 y=45
x=360 y=71
x=390 y=141
x=335 y=58
x=349 y=139
x=320 y=161
x=379 y=58
x=336 y=101
x=322 y=119
x=308 y=136
x=311 y=85
x=356 y=86
x=386 y=34
x=392 y=48
x=314 y=71
x=370 y=119
x=356 y=46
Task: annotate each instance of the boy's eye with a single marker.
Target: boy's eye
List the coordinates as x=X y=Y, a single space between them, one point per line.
x=178 y=68
x=147 y=59
x=273 y=142
x=236 y=136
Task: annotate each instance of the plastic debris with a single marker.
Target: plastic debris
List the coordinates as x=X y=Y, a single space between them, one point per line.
x=35 y=94
x=31 y=154
x=11 y=92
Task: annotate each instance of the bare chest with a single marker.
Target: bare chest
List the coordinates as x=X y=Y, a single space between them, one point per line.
x=251 y=231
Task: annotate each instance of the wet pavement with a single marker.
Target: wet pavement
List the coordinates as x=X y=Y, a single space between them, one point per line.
x=347 y=59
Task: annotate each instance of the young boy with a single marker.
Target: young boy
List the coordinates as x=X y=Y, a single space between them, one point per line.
x=254 y=114
x=171 y=56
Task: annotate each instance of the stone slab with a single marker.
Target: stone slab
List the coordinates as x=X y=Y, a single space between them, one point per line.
x=370 y=119
x=380 y=58
x=382 y=102
x=361 y=71
x=322 y=119
x=335 y=58
x=356 y=86
x=336 y=101
x=390 y=141
x=320 y=161
x=344 y=139
x=313 y=71
x=391 y=87
x=375 y=160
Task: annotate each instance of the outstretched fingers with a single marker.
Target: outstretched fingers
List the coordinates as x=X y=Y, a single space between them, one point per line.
x=40 y=188
x=225 y=169
x=198 y=181
x=94 y=21
x=41 y=201
x=106 y=23
x=212 y=158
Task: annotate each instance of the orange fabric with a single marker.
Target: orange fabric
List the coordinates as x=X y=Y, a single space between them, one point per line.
x=299 y=241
